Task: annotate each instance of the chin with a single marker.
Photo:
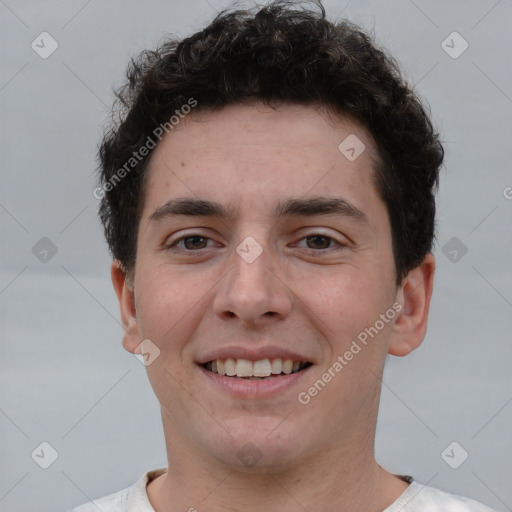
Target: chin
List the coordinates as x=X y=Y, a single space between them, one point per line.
x=262 y=445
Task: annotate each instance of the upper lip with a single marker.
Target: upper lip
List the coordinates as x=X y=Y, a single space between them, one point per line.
x=238 y=352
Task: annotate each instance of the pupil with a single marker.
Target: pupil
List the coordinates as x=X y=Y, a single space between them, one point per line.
x=193 y=245
x=319 y=237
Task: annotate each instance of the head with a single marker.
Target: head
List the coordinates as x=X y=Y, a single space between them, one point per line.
x=268 y=129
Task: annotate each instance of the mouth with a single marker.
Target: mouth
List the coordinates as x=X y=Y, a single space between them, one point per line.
x=264 y=369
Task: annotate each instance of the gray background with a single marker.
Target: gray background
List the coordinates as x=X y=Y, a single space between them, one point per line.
x=65 y=378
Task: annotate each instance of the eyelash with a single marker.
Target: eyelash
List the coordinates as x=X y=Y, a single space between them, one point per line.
x=174 y=244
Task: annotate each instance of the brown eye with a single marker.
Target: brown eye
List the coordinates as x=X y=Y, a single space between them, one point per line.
x=194 y=242
x=189 y=243
x=319 y=241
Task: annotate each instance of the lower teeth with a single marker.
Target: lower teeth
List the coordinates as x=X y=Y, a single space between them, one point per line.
x=260 y=378
x=254 y=378
x=257 y=378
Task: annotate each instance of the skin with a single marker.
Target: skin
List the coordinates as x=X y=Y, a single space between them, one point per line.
x=305 y=294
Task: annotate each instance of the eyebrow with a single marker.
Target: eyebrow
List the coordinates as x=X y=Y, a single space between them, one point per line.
x=309 y=207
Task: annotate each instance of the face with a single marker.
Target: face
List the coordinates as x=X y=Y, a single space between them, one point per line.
x=262 y=248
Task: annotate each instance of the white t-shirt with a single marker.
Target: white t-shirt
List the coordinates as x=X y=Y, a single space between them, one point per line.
x=416 y=498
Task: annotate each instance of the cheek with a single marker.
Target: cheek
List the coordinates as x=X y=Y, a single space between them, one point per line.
x=349 y=304
x=345 y=294
x=164 y=303
x=173 y=306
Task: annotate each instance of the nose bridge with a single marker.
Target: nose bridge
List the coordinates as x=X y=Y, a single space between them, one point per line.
x=252 y=261
x=251 y=290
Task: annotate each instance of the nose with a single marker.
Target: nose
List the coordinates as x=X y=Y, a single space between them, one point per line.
x=254 y=291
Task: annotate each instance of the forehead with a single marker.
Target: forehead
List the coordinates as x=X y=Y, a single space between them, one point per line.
x=256 y=155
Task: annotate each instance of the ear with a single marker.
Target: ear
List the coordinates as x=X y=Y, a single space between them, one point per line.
x=414 y=294
x=125 y=295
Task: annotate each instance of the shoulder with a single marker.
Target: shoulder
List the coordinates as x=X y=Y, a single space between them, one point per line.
x=129 y=499
x=421 y=498
x=132 y=498
x=115 y=502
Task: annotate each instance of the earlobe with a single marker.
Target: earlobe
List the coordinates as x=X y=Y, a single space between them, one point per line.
x=126 y=296
x=414 y=294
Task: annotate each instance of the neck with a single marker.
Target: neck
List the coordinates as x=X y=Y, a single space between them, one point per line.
x=340 y=479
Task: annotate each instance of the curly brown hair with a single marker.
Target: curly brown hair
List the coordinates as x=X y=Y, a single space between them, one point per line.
x=283 y=52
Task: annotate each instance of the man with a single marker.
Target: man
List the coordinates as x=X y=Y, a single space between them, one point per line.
x=268 y=198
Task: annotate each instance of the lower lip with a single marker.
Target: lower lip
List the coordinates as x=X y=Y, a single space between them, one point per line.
x=254 y=388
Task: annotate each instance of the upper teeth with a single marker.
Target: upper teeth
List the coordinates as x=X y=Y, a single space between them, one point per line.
x=245 y=368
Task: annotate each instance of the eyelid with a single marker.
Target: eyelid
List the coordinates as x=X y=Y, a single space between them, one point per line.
x=337 y=236
x=340 y=244
x=191 y=234
x=318 y=232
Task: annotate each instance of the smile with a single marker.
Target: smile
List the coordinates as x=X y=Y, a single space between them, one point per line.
x=262 y=369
